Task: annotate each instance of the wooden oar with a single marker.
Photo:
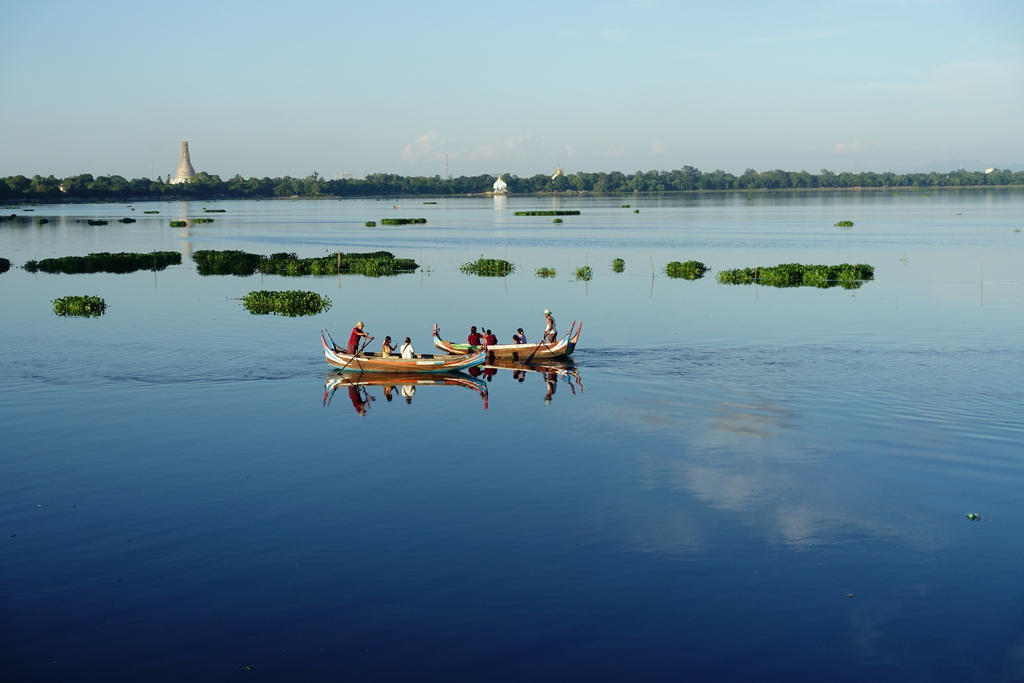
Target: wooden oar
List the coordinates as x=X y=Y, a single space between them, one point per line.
x=358 y=351
x=548 y=346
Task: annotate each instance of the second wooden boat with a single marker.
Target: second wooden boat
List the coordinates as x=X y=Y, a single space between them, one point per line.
x=520 y=353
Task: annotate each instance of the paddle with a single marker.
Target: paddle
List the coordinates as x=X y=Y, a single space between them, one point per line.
x=358 y=351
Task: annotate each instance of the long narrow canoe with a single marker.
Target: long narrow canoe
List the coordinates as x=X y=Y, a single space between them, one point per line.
x=369 y=362
x=522 y=353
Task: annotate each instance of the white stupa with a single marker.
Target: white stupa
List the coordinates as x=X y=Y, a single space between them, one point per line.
x=185 y=170
x=500 y=186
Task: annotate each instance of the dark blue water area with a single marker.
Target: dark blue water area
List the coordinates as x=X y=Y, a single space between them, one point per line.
x=733 y=483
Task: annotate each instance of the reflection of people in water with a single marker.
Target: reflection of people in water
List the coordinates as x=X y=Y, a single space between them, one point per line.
x=388 y=389
x=408 y=390
x=474 y=371
x=551 y=379
x=519 y=375
x=358 y=402
x=489 y=373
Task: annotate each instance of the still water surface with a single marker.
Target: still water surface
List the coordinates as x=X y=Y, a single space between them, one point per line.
x=737 y=483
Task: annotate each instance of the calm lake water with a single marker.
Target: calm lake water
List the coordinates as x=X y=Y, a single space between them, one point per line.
x=740 y=483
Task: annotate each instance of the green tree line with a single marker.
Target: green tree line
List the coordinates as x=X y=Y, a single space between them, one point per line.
x=205 y=186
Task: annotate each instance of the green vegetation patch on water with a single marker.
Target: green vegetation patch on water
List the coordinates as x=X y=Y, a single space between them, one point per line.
x=93 y=222
x=488 y=267
x=797 y=275
x=686 y=270
x=82 y=306
x=150 y=212
x=371 y=264
x=401 y=221
x=202 y=220
x=371 y=224
x=292 y=304
x=584 y=273
x=546 y=272
x=103 y=262
x=546 y=213
x=5 y=265
x=618 y=265
x=844 y=224
x=214 y=210
x=557 y=220
x=179 y=224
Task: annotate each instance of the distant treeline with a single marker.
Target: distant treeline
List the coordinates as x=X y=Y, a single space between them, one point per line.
x=205 y=186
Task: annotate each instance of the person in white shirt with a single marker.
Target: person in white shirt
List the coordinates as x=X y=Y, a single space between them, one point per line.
x=407 y=351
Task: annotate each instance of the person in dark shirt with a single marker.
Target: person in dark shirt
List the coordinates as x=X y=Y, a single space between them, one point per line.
x=474 y=337
x=491 y=339
x=353 y=339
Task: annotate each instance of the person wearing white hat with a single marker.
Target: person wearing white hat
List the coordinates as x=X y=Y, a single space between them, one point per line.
x=550 y=333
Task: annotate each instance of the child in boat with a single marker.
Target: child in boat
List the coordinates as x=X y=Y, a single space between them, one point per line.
x=387 y=349
x=519 y=337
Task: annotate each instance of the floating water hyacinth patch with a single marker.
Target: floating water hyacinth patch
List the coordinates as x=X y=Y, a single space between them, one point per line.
x=797 y=275
x=150 y=212
x=402 y=221
x=618 y=265
x=291 y=304
x=584 y=273
x=214 y=210
x=557 y=220
x=625 y=206
x=81 y=306
x=488 y=267
x=974 y=517
x=371 y=224
x=5 y=265
x=371 y=264
x=92 y=222
x=546 y=272
x=178 y=224
x=103 y=262
x=844 y=224
x=546 y=213
x=686 y=270
x=202 y=220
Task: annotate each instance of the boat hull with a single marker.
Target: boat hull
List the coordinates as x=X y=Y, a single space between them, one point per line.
x=347 y=362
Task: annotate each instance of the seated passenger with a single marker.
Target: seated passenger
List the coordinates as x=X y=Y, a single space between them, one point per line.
x=490 y=338
x=407 y=350
x=519 y=337
x=474 y=337
x=387 y=349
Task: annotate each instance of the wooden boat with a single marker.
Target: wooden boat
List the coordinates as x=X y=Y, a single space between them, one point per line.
x=353 y=382
x=370 y=362
x=523 y=353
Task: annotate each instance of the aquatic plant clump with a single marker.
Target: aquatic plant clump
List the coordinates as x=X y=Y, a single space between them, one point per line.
x=371 y=264
x=127 y=220
x=178 y=224
x=546 y=272
x=82 y=306
x=584 y=273
x=103 y=262
x=150 y=212
x=5 y=265
x=488 y=267
x=92 y=222
x=687 y=270
x=402 y=221
x=618 y=265
x=557 y=220
x=625 y=206
x=205 y=210
x=291 y=304
x=546 y=213
x=797 y=275
x=371 y=224
x=202 y=220
x=844 y=224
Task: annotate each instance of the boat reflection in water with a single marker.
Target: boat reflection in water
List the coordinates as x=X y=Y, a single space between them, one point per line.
x=552 y=371
x=402 y=384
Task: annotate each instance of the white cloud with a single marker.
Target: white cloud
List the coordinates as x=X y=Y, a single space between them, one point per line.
x=846 y=147
x=658 y=148
x=619 y=151
x=421 y=147
x=571 y=151
x=500 y=147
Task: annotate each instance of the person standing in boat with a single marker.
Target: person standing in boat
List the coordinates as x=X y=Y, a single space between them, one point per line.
x=474 y=338
x=353 y=339
x=550 y=333
x=387 y=350
x=407 y=351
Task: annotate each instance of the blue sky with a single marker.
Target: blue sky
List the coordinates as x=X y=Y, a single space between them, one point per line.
x=264 y=88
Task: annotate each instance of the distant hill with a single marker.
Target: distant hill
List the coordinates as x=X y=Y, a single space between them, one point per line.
x=952 y=165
